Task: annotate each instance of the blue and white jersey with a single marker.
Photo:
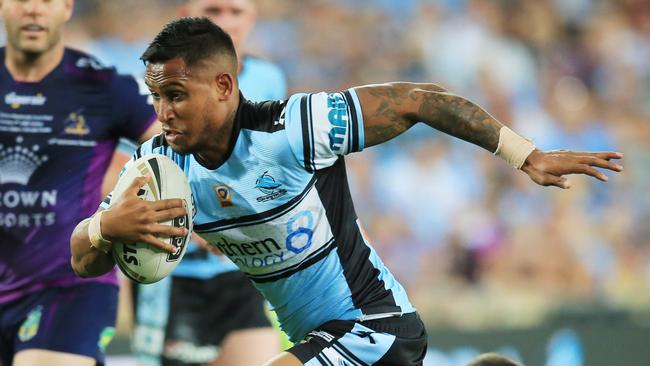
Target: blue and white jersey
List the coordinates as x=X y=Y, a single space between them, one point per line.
x=280 y=208
x=259 y=80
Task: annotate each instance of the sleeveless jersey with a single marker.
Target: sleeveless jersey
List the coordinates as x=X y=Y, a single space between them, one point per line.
x=57 y=137
x=280 y=208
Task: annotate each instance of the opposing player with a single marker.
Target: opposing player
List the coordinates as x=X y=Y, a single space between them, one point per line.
x=172 y=326
x=60 y=117
x=270 y=188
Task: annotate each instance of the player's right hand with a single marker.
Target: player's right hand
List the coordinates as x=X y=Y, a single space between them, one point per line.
x=131 y=219
x=548 y=168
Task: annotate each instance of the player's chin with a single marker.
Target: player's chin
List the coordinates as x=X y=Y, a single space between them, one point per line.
x=177 y=141
x=33 y=47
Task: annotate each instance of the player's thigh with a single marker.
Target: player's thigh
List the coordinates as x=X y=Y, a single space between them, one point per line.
x=37 y=357
x=77 y=320
x=236 y=349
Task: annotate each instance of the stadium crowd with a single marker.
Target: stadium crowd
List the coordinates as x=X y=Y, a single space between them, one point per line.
x=494 y=249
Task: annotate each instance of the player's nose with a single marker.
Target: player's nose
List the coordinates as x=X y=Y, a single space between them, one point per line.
x=165 y=112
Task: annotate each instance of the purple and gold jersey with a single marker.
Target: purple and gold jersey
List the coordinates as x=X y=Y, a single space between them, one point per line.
x=57 y=137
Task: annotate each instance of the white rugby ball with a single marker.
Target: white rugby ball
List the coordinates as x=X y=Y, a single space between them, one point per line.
x=143 y=262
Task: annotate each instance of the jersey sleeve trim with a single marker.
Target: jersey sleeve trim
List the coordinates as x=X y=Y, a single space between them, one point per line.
x=357 y=136
x=307 y=133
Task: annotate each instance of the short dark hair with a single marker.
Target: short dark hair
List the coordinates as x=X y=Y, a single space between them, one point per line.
x=493 y=359
x=190 y=38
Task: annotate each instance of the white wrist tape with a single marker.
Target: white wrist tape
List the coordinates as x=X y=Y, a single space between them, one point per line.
x=97 y=241
x=513 y=148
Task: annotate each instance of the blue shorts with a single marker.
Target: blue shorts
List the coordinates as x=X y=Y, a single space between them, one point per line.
x=390 y=341
x=78 y=319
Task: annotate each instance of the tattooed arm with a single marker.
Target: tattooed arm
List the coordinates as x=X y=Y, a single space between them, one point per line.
x=390 y=109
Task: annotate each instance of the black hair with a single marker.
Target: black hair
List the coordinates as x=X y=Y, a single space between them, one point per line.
x=192 y=39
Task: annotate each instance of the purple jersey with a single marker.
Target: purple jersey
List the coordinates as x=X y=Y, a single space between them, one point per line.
x=57 y=138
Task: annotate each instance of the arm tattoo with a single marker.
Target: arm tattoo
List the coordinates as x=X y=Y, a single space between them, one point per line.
x=457 y=116
x=387 y=120
x=391 y=109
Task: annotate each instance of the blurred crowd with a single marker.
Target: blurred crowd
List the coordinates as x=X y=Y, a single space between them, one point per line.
x=476 y=243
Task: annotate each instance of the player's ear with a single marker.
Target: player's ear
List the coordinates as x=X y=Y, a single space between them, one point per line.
x=225 y=83
x=69 y=5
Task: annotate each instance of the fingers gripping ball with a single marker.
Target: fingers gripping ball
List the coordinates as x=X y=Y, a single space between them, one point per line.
x=142 y=262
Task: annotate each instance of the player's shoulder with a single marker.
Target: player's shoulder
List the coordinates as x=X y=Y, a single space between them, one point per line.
x=80 y=64
x=267 y=116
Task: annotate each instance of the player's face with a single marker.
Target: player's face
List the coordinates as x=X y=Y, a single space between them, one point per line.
x=236 y=17
x=34 y=26
x=191 y=102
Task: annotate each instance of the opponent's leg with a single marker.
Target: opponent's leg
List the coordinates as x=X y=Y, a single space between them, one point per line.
x=53 y=326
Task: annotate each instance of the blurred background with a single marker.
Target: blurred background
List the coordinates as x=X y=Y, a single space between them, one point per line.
x=492 y=261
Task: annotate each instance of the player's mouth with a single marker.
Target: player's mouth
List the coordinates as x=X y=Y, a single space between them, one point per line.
x=33 y=30
x=172 y=135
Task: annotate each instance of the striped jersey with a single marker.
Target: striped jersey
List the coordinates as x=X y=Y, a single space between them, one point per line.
x=280 y=208
x=260 y=80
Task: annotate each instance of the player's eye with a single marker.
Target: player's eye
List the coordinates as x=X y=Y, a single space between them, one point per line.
x=155 y=96
x=175 y=96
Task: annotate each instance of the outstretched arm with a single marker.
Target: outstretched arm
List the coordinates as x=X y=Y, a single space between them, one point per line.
x=390 y=109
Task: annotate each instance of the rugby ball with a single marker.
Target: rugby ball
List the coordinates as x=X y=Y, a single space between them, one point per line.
x=142 y=262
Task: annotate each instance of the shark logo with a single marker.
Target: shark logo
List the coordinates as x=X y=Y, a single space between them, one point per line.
x=267 y=185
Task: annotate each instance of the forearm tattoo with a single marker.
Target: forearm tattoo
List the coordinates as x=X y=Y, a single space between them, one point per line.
x=398 y=106
x=459 y=117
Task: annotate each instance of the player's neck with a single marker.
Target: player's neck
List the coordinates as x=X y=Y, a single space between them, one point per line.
x=31 y=67
x=219 y=150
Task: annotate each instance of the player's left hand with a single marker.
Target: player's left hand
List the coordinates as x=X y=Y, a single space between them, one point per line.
x=547 y=168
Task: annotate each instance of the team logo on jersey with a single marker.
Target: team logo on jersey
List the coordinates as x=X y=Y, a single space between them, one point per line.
x=29 y=328
x=105 y=337
x=271 y=189
x=16 y=101
x=18 y=163
x=76 y=124
x=223 y=195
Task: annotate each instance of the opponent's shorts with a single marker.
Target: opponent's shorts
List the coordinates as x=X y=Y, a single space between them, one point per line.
x=182 y=321
x=78 y=319
x=390 y=341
